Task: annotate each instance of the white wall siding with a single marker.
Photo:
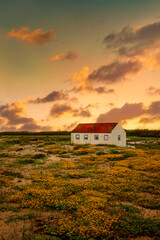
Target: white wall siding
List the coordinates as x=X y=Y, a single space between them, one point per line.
x=91 y=139
x=101 y=138
x=81 y=140
x=112 y=137
x=118 y=130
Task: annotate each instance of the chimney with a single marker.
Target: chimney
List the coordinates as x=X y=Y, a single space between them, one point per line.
x=93 y=126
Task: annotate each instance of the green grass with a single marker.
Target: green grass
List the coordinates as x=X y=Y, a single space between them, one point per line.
x=14 y=218
x=2 y=197
x=10 y=208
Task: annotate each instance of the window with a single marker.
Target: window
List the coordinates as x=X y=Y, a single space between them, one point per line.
x=106 y=137
x=96 y=137
x=119 y=137
x=77 y=136
x=85 y=136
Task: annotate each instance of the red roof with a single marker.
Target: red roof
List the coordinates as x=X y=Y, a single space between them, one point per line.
x=94 y=128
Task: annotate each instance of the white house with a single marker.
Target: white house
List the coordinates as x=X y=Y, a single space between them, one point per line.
x=99 y=133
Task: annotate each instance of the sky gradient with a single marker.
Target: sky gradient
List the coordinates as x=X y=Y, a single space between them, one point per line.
x=63 y=62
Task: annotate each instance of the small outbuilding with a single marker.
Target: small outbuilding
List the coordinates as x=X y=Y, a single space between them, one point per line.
x=99 y=133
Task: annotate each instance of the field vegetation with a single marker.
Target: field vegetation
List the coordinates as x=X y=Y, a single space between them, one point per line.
x=52 y=189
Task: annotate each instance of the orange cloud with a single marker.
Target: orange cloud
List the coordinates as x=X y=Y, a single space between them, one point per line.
x=68 y=56
x=81 y=76
x=36 y=37
x=56 y=57
x=83 y=85
x=2 y=121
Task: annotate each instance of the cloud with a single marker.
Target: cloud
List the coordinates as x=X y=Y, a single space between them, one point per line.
x=71 y=126
x=132 y=110
x=103 y=90
x=140 y=43
x=34 y=127
x=127 y=111
x=2 y=121
x=15 y=118
x=56 y=57
x=36 y=37
x=154 y=108
x=81 y=76
x=14 y=113
x=99 y=90
x=51 y=97
x=145 y=35
x=114 y=72
x=80 y=80
x=81 y=112
x=69 y=56
x=58 y=110
x=153 y=91
x=146 y=120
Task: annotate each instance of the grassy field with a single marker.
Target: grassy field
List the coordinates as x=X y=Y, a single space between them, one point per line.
x=52 y=189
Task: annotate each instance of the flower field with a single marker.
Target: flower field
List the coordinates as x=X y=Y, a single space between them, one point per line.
x=52 y=189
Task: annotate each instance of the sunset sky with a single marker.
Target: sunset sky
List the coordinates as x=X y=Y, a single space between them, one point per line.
x=64 y=62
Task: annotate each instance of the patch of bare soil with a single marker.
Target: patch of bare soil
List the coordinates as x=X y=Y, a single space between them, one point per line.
x=150 y=213
x=53 y=159
x=145 y=212
x=27 y=149
x=69 y=147
x=105 y=166
x=146 y=194
x=14 y=229
x=21 y=182
x=79 y=179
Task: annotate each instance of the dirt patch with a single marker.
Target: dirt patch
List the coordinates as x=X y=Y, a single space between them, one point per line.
x=105 y=166
x=79 y=179
x=150 y=213
x=145 y=212
x=21 y=182
x=14 y=229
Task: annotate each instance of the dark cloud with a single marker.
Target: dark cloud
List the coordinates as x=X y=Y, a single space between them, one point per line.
x=131 y=111
x=114 y=72
x=101 y=90
x=58 y=110
x=85 y=88
x=8 y=128
x=128 y=111
x=14 y=113
x=36 y=37
x=81 y=113
x=70 y=56
x=146 y=120
x=153 y=91
x=70 y=126
x=34 y=127
x=131 y=41
x=51 y=97
x=154 y=108
x=14 y=116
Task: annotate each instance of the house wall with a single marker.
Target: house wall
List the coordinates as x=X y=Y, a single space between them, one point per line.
x=112 y=137
x=81 y=140
x=91 y=138
x=118 y=130
x=101 y=138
